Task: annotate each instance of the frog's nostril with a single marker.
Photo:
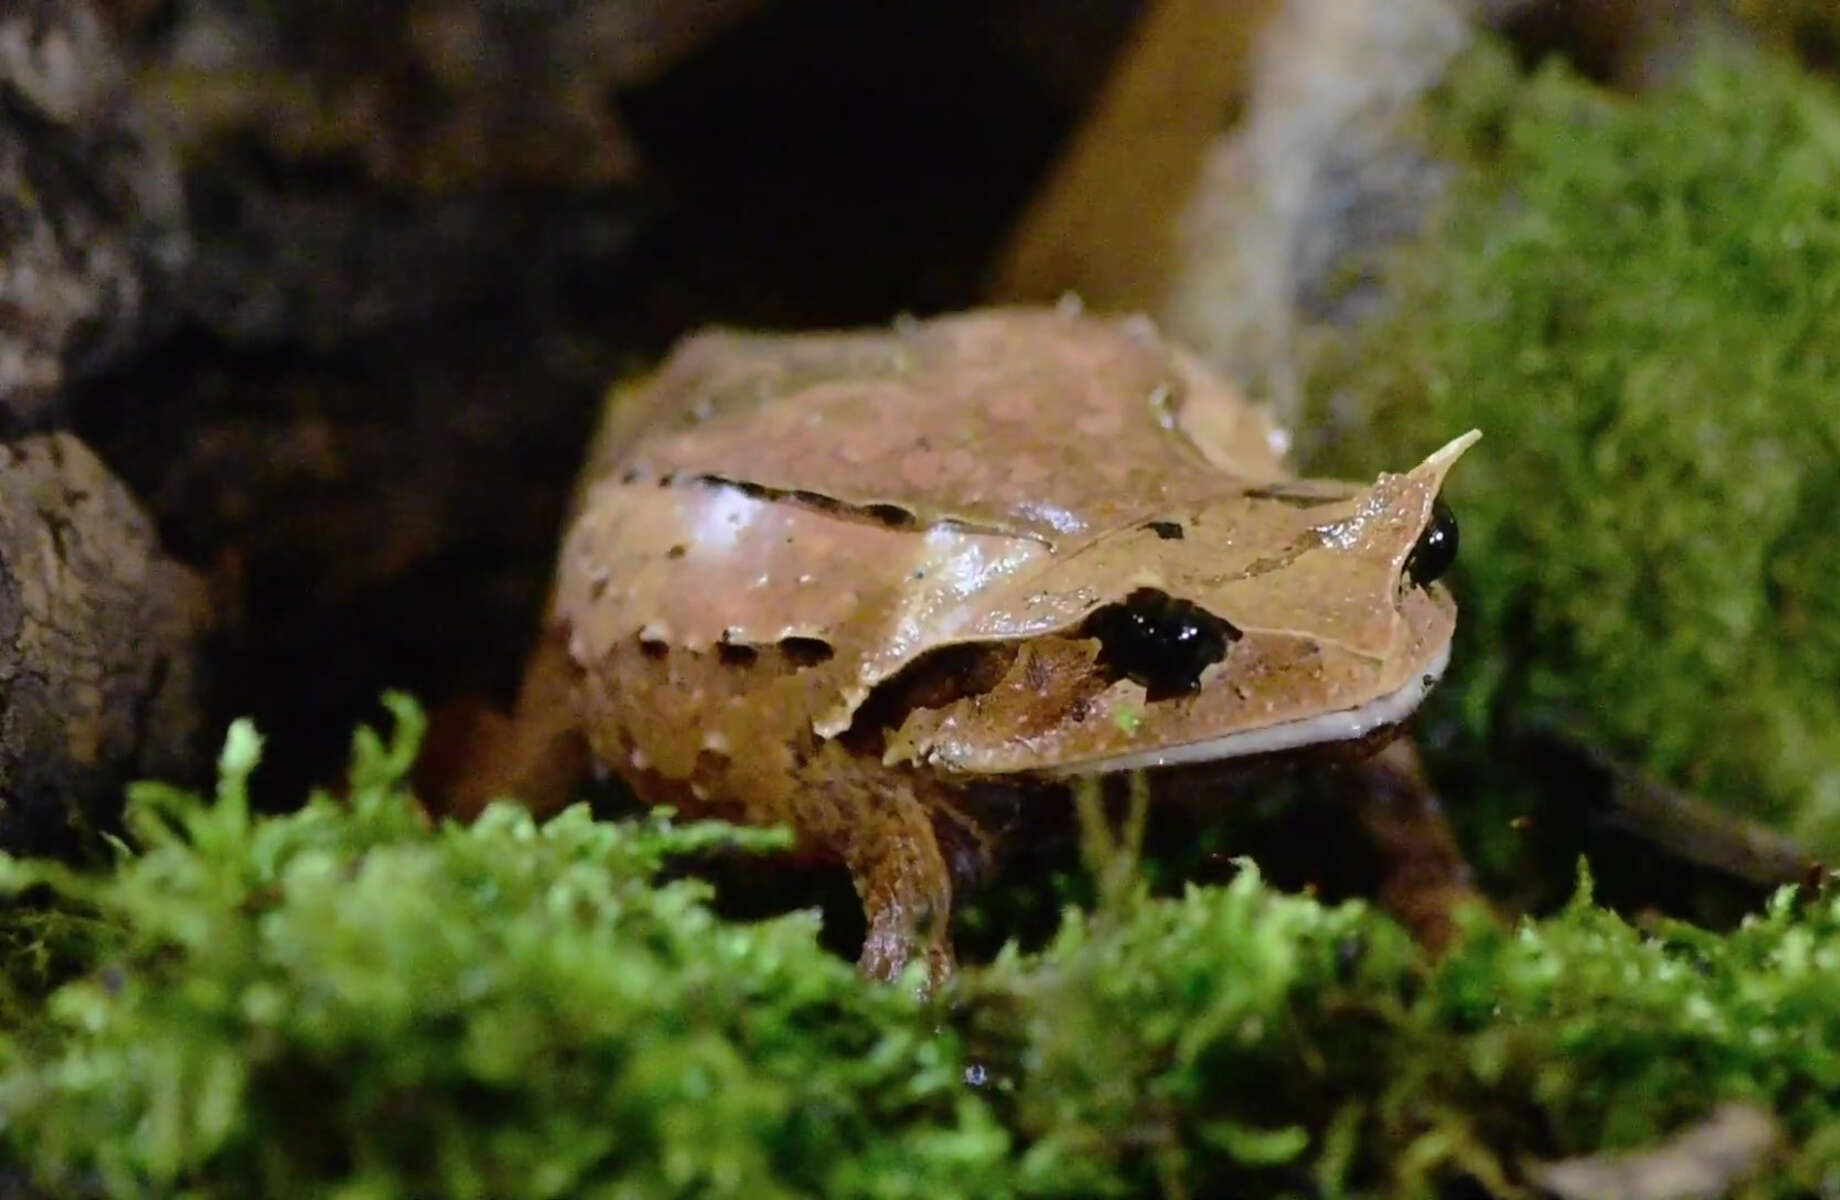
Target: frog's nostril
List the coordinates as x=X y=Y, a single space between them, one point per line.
x=1161 y=642
x=1436 y=548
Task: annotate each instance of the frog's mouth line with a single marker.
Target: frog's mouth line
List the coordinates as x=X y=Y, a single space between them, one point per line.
x=1344 y=725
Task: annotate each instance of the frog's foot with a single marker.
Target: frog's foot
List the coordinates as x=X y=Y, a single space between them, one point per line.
x=1427 y=879
x=906 y=893
x=889 y=948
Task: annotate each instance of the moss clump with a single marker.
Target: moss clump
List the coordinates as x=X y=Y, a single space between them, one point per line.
x=341 y=1001
x=1237 y=1042
x=1638 y=302
x=344 y=1001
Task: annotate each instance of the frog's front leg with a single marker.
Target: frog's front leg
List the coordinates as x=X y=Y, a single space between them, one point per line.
x=1427 y=879
x=906 y=890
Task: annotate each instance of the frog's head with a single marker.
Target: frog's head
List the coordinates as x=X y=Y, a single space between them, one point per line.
x=1278 y=618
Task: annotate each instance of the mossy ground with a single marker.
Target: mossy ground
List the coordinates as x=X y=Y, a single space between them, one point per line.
x=1638 y=301
x=347 y=1001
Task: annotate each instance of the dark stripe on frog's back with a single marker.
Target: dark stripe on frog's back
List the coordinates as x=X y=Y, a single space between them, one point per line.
x=1304 y=493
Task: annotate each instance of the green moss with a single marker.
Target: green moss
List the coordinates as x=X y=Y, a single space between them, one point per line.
x=344 y=1001
x=1638 y=302
x=341 y=1000
x=1235 y=1027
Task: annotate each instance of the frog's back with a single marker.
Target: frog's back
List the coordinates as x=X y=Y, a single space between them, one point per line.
x=1036 y=422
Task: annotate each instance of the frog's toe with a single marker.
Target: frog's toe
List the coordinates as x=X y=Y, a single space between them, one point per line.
x=889 y=949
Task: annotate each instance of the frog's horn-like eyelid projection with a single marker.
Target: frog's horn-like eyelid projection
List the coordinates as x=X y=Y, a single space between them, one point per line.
x=1450 y=451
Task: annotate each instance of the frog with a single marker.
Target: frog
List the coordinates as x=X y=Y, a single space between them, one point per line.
x=896 y=589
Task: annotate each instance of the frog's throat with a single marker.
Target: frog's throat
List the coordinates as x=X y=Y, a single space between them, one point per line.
x=1342 y=725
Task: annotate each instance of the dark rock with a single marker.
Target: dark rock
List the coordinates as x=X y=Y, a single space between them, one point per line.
x=100 y=636
x=92 y=220
x=358 y=168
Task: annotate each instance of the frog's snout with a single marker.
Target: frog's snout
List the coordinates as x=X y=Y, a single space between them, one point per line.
x=1436 y=547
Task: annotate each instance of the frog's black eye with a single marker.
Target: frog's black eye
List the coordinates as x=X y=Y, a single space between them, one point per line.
x=1161 y=642
x=1436 y=548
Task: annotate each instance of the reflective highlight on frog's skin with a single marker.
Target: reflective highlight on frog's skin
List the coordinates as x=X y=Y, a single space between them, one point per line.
x=857 y=583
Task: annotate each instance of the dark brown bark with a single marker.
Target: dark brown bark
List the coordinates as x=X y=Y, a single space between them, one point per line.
x=99 y=641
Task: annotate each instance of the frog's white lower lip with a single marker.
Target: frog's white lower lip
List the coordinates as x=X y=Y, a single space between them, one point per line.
x=1345 y=725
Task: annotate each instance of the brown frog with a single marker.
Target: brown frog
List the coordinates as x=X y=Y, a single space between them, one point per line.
x=890 y=587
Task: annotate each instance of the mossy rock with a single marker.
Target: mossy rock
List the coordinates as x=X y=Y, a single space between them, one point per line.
x=1638 y=301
